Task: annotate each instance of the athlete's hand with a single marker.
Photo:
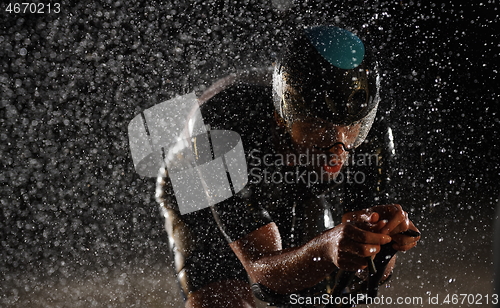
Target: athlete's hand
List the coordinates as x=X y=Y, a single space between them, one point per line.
x=388 y=219
x=348 y=246
x=404 y=242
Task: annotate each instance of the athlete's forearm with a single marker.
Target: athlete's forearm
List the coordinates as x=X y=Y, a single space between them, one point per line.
x=286 y=271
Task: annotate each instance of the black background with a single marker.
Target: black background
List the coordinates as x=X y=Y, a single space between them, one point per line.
x=72 y=206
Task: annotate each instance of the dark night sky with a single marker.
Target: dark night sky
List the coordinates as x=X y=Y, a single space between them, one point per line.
x=71 y=82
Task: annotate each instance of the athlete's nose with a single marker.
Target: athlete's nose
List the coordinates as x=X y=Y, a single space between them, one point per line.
x=340 y=137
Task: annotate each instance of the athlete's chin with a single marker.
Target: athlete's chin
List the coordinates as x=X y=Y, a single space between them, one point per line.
x=330 y=172
x=328 y=177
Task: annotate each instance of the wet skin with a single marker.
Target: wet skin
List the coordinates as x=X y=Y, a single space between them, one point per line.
x=346 y=246
x=328 y=142
x=314 y=136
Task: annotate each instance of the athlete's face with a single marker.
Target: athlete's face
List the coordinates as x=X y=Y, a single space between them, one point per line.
x=325 y=143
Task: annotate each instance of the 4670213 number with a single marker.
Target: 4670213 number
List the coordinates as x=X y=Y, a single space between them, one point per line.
x=33 y=8
x=470 y=299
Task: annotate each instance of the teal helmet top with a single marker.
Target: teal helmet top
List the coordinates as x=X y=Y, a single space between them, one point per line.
x=325 y=72
x=339 y=47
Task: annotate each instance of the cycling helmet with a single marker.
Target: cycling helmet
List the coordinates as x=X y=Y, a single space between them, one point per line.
x=325 y=72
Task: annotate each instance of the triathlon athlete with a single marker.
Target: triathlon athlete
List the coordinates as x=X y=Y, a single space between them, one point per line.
x=315 y=222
